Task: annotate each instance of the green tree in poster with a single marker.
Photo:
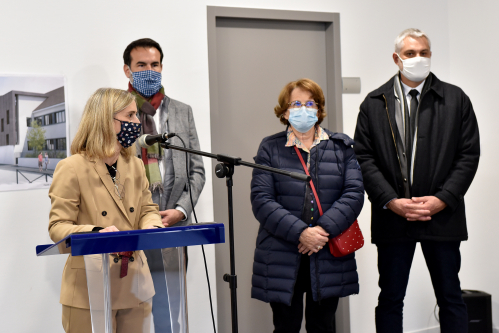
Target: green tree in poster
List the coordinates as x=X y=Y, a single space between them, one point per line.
x=36 y=137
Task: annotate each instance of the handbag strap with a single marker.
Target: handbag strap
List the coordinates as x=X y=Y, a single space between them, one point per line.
x=311 y=183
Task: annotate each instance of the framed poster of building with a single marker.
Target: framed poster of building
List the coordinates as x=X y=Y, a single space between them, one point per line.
x=33 y=130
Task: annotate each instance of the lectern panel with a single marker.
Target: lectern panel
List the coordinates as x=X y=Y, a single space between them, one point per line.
x=119 y=279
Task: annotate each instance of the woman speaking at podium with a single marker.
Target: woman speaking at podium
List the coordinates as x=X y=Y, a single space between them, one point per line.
x=103 y=187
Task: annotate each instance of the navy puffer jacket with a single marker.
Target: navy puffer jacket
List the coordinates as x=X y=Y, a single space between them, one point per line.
x=278 y=202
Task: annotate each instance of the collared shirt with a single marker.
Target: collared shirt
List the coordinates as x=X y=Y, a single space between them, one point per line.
x=159 y=128
x=408 y=97
x=293 y=140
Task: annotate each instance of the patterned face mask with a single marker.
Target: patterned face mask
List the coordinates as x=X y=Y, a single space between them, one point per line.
x=129 y=133
x=147 y=83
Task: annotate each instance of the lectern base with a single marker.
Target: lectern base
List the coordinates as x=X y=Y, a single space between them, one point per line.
x=169 y=307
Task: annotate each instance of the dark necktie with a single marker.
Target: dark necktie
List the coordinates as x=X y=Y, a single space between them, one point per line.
x=410 y=127
x=414 y=110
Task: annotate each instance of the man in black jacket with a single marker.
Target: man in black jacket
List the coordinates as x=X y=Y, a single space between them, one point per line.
x=418 y=146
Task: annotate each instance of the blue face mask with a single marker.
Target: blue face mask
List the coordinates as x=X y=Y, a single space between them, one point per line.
x=302 y=119
x=147 y=83
x=129 y=133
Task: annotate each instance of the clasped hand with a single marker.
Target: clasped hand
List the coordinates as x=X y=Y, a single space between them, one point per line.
x=312 y=240
x=418 y=208
x=170 y=217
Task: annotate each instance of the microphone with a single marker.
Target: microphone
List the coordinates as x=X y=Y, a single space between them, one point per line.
x=146 y=140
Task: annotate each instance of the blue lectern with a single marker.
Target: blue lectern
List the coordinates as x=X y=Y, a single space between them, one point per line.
x=105 y=244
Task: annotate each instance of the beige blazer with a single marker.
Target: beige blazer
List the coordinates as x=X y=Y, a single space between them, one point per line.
x=83 y=196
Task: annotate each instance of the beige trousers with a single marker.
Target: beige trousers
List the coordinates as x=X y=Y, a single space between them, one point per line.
x=134 y=320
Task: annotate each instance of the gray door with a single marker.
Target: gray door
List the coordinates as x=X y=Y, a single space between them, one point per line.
x=255 y=58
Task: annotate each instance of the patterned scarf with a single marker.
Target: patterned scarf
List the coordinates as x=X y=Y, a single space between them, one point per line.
x=147 y=110
x=292 y=140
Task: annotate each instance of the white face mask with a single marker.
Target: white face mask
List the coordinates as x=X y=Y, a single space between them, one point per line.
x=416 y=69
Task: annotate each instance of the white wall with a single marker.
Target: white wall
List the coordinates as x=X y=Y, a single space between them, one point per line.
x=85 y=40
x=7 y=155
x=474 y=68
x=26 y=106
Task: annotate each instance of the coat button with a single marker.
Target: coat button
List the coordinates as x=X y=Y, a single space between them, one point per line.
x=405 y=180
x=131 y=209
x=104 y=213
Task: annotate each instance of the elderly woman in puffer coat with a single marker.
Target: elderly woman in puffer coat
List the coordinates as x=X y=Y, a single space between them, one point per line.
x=291 y=256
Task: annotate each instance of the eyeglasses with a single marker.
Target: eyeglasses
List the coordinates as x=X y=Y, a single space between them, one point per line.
x=308 y=104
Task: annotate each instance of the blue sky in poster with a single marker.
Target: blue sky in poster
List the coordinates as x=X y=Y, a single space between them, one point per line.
x=29 y=83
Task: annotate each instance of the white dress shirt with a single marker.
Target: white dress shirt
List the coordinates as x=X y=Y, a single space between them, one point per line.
x=408 y=97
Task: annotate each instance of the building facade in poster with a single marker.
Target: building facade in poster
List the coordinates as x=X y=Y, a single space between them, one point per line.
x=21 y=112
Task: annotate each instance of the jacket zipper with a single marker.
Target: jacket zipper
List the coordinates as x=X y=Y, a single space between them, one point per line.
x=393 y=135
x=317 y=172
x=316 y=260
x=305 y=193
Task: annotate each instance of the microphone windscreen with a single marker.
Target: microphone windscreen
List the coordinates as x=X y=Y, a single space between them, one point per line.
x=142 y=141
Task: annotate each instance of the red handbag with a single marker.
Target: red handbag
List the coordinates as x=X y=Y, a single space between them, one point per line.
x=349 y=240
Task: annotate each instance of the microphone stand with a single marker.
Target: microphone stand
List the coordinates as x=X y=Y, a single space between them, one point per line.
x=225 y=169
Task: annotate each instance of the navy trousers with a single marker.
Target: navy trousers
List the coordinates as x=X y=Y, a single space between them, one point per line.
x=443 y=260
x=163 y=323
x=319 y=316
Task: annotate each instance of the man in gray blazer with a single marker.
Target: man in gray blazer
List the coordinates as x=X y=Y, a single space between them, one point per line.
x=160 y=114
x=166 y=169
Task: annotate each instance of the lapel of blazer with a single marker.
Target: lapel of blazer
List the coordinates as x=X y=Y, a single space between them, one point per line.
x=101 y=170
x=175 y=127
x=172 y=117
x=170 y=111
x=125 y=177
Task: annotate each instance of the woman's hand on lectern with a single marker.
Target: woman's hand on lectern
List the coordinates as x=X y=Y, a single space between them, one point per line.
x=109 y=229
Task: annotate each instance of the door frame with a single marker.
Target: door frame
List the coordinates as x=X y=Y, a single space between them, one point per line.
x=333 y=94
x=334 y=91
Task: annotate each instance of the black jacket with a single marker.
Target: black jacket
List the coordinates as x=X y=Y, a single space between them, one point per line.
x=447 y=154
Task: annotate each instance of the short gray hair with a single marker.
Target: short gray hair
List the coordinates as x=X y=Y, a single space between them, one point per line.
x=414 y=33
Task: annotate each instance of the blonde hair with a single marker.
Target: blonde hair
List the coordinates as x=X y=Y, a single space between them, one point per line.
x=96 y=137
x=305 y=84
